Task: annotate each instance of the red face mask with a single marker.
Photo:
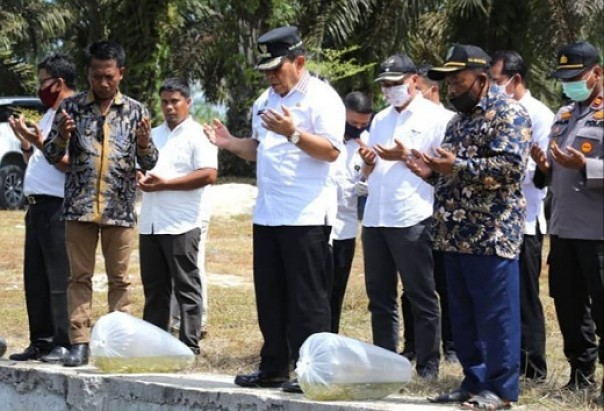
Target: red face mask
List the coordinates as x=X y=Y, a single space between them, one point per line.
x=47 y=96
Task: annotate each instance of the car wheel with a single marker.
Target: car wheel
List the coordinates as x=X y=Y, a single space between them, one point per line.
x=11 y=187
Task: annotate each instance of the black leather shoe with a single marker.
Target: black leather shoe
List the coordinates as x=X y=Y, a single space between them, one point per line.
x=580 y=380
x=56 y=355
x=33 y=352
x=292 y=386
x=78 y=356
x=259 y=379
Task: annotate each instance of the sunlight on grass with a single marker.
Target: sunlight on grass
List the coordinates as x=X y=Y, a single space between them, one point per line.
x=234 y=341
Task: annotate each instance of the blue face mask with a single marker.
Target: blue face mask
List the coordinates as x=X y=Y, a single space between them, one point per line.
x=577 y=90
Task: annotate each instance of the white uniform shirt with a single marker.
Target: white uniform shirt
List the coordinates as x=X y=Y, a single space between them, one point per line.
x=542 y=119
x=181 y=151
x=347 y=174
x=397 y=197
x=41 y=177
x=293 y=187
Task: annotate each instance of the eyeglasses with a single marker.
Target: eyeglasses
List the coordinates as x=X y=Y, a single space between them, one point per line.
x=44 y=80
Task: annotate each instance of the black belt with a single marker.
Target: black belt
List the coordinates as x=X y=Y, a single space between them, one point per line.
x=40 y=198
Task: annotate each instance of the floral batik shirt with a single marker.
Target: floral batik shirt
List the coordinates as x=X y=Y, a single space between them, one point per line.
x=480 y=209
x=100 y=181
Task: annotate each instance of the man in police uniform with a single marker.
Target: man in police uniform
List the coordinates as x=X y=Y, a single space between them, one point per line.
x=297 y=127
x=508 y=72
x=574 y=169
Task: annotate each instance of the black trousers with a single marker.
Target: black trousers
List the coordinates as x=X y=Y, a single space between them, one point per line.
x=167 y=260
x=576 y=281
x=293 y=277
x=343 y=254
x=46 y=272
x=408 y=251
x=532 y=343
x=446 y=335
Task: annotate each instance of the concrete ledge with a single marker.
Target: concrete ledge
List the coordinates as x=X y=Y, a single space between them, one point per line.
x=34 y=386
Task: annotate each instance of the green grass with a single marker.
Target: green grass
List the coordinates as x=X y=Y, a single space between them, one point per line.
x=234 y=341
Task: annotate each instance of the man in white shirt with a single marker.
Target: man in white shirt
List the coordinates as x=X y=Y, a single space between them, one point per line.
x=170 y=216
x=431 y=91
x=46 y=266
x=359 y=110
x=297 y=129
x=508 y=71
x=397 y=221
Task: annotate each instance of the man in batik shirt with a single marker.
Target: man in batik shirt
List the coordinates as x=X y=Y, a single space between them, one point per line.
x=479 y=220
x=106 y=134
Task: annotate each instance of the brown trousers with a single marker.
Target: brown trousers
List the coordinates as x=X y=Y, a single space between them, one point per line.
x=81 y=240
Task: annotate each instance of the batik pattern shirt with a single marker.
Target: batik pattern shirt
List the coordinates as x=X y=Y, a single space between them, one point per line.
x=100 y=181
x=479 y=208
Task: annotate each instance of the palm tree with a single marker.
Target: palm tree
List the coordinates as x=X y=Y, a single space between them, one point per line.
x=27 y=30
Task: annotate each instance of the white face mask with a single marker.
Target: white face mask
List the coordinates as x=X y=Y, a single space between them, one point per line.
x=500 y=88
x=396 y=96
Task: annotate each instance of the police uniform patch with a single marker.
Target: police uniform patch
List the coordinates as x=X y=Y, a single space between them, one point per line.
x=598 y=115
x=597 y=102
x=586 y=145
x=566 y=115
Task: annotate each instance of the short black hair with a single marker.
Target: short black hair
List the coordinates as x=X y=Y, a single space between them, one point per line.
x=513 y=63
x=175 y=84
x=106 y=50
x=358 y=102
x=422 y=71
x=60 y=66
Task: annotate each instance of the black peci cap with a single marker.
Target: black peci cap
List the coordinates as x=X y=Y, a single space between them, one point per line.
x=460 y=57
x=276 y=44
x=395 y=67
x=575 y=58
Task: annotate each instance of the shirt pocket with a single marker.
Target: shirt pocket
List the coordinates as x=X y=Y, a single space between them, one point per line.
x=589 y=142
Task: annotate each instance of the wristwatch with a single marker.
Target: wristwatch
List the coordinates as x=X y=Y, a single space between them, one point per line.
x=294 y=137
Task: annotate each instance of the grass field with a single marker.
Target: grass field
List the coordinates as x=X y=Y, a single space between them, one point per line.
x=234 y=340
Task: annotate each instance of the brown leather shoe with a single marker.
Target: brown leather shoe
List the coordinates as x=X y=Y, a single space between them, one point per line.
x=260 y=379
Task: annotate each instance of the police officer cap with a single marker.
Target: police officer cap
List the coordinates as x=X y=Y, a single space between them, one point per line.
x=395 y=67
x=276 y=44
x=575 y=58
x=460 y=57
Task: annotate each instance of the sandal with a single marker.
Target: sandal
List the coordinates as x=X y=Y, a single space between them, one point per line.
x=486 y=400
x=456 y=396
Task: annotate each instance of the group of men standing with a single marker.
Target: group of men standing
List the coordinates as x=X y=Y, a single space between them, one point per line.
x=92 y=151
x=454 y=209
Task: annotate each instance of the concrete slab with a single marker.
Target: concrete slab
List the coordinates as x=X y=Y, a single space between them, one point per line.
x=36 y=386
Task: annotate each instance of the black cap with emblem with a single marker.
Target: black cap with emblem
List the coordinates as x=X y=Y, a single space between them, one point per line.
x=395 y=67
x=574 y=59
x=460 y=57
x=276 y=44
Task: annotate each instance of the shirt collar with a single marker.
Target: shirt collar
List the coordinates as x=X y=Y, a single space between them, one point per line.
x=301 y=86
x=118 y=99
x=178 y=127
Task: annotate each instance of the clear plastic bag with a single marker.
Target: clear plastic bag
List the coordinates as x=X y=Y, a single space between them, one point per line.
x=334 y=367
x=121 y=343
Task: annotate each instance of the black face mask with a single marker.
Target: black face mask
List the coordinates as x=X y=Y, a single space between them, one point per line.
x=465 y=102
x=353 y=132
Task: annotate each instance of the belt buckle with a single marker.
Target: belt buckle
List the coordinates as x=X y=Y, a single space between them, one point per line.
x=31 y=200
